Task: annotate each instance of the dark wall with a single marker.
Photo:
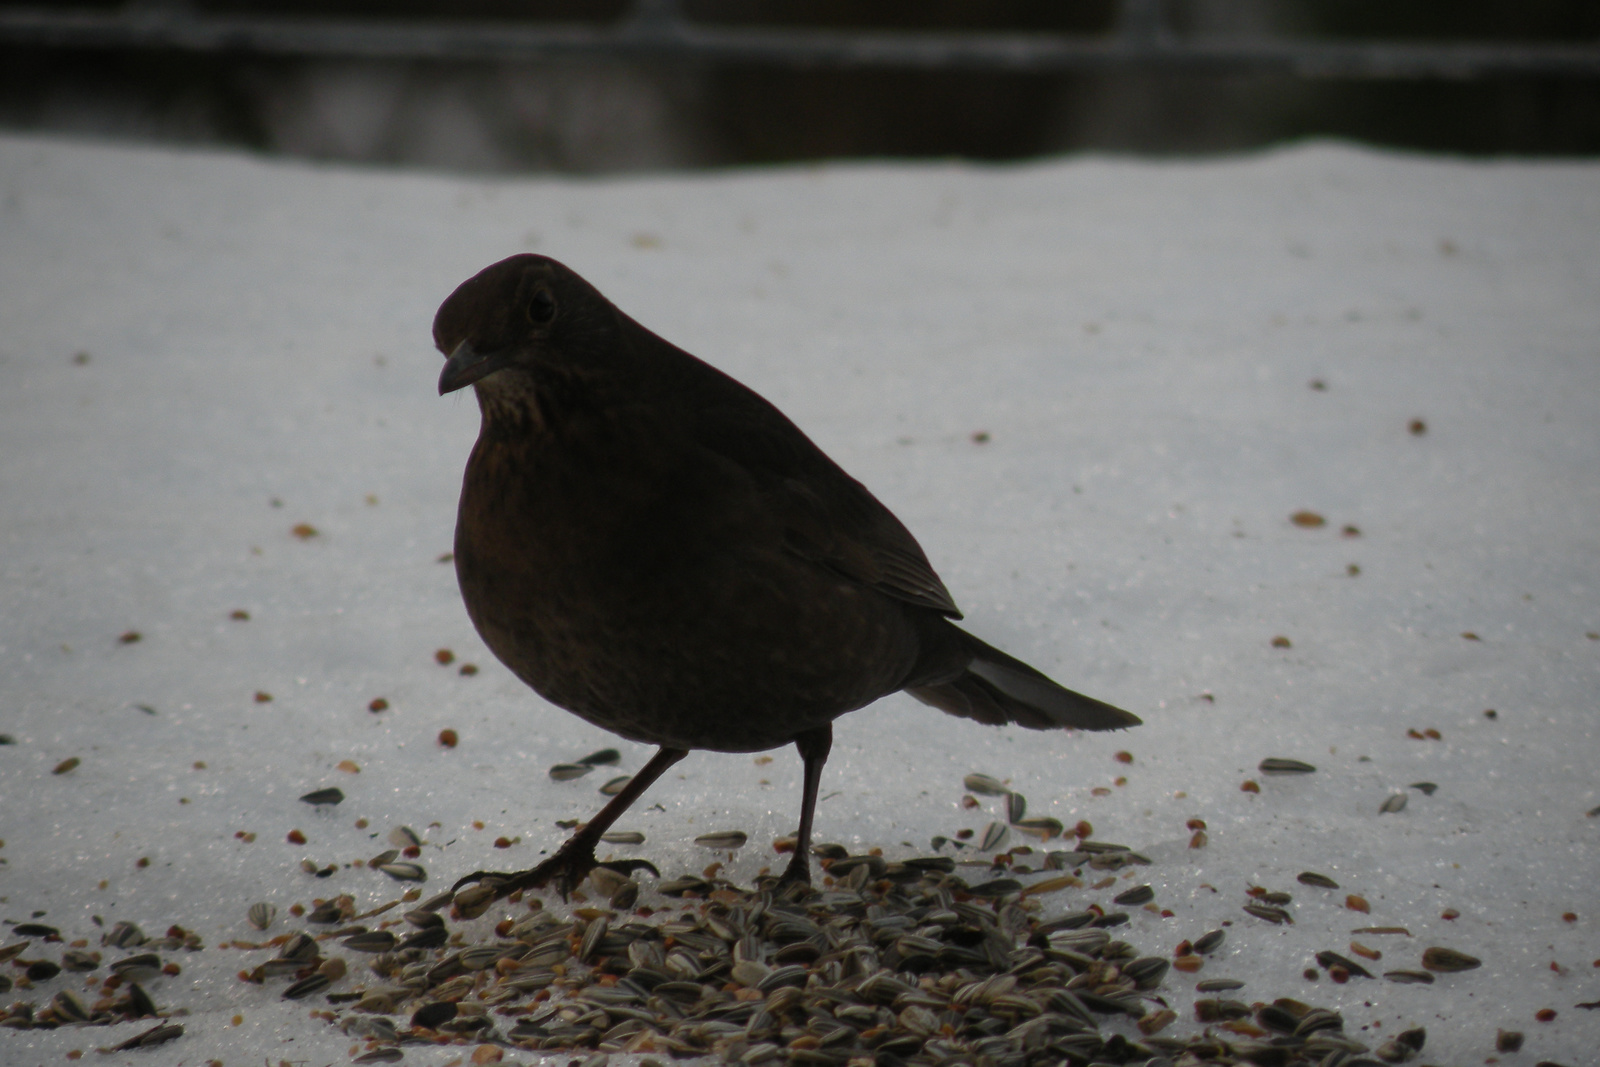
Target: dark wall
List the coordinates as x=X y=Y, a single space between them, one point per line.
x=605 y=115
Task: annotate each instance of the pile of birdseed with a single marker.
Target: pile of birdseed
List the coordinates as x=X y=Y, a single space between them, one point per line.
x=892 y=962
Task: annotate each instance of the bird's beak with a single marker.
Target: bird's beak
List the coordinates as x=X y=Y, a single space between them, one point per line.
x=466 y=365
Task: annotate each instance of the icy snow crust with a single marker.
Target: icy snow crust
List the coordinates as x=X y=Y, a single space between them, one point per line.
x=1137 y=339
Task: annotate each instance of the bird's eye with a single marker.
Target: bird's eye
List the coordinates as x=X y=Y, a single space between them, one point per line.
x=541 y=307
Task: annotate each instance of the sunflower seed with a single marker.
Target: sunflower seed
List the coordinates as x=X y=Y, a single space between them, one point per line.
x=603 y=758
x=138 y=968
x=316 y=983
x=1448 y=960
x=984 y=785
x=1016 y=807
x=1321 y=881
x=371 y=941
x=1139 y=894
x=1218 y=985
x=1043 y=827
x=616 y=785
x=623 y=837
x=318 y=797
x=994 y=835
x=1409 y=977
x=1269 y=913
x=404 y=837
x=404 y=872
x=68 y=1006
x=722 y=839
x=566 y=772
x=1393 y=803
x=1427 y=789
x=261 y=915
x=1278 y=765
x=1209 y=942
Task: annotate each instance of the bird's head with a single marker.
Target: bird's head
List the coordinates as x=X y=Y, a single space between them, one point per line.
x=520 y=321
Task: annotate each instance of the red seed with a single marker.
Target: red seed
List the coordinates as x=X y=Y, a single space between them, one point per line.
x=1250 y=786
x=378 y=704
x=296 y=837
x=444 y=657
x=1545 y=1015
x=448 y=738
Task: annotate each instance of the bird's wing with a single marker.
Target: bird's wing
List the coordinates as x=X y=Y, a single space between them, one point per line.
x=827 y=516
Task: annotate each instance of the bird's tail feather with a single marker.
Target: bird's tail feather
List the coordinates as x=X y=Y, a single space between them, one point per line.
x=997 y=688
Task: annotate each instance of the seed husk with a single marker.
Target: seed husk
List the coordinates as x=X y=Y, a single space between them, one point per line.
x=1210 y=941
x=375 y=941
x=1139 y=894
x=315 y=983
x=318 y=797
x=1332 y=959
x=1280 y=765
x=1448 y=960
x=1270 y=913
x=405 y=837
x=605 y=757
x=984 y=785
x=1321 y=881
x=994 y=836
x=1409 y=977
x=1393 y=803
x=566 y=772
x=623 y=837
x=261 y=915
x=616 y=785
x=1016 y=807
x=156 y=1035
x=404 y=872
x=723 y=839
x=1218 y=985
x=1042 y=827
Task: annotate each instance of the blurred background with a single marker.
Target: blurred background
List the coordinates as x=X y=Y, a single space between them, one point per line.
x=588 y=86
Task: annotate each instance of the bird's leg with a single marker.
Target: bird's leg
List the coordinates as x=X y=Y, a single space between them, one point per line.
x=574 y=860
x=813 y=746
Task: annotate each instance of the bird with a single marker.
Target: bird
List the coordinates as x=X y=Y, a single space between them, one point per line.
x=654 y=547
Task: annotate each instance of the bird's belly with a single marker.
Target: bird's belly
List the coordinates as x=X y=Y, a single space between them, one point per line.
x=738 y=660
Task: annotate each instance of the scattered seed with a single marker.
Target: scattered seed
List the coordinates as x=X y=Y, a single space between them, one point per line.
x=261 y=915
x=66 y=765
x=1395 y=802
x=1269 y=913
x=404 y=837
x=984 y=785
x=1508 y=1041
x=1425 y=788
x=616 y=785
x=606 y=757
x=1279 y=765
x=330 y=795
x=994 y=836
x=1218 y=985
x=1016 y=807
x=1142 y=894
x=448 y=738
x=1208 y=943
x=1044 y=828
x=404 y=872
x=623 y=837
x=1448 y=960
x=723 y=839
x=316 y=983
x=566 y=772
x=1321 y=881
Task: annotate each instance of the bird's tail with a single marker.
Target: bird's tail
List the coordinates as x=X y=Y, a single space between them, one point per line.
x=997 y=688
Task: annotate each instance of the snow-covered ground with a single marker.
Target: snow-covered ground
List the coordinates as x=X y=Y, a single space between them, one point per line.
x=202 y=352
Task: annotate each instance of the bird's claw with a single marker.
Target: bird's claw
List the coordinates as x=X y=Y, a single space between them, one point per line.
x=565 y=870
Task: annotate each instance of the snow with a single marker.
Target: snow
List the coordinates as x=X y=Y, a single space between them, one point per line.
x=1138 y=340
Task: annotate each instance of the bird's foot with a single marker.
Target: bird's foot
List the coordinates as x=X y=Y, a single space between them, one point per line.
x=565 y=870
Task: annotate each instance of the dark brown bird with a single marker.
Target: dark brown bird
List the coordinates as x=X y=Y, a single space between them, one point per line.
x=657 y=549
